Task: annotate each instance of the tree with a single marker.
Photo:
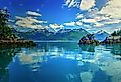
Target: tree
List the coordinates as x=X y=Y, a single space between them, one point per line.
x=114 y=33
x=5 y=30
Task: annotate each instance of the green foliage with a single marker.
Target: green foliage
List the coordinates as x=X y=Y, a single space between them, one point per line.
x=88 y=37
x=5 y=30
x=116 y=33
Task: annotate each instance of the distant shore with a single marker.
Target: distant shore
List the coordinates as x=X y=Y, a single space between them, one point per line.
x=54 y=41
x=107 y=40
x=22 y=43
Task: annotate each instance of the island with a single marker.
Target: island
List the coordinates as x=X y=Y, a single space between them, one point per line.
x=115 y=37
x=101 y=37
x=7 y=36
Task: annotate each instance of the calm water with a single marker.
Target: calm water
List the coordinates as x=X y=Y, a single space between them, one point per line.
x=61 y=62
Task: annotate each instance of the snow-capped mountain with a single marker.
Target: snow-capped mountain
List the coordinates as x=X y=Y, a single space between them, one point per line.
x=101 y=35
x=50 y=34
x=64 y=30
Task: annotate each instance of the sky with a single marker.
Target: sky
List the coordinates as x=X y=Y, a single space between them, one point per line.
x=91 y=15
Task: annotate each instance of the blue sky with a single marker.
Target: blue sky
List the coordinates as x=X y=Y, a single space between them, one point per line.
x=92 y=15
x=51 y=10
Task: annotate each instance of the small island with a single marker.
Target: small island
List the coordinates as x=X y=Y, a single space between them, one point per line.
x=115 y=37
x=7 y=36
x=101 y=38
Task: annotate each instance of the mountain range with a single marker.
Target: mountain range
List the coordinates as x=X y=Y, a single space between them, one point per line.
x=47 y=34
x=101 y=35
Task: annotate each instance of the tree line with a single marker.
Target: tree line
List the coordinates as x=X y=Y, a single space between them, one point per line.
x=6 y=32
x=116 y=33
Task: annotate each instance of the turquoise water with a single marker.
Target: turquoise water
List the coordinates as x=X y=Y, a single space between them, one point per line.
x=61 y=62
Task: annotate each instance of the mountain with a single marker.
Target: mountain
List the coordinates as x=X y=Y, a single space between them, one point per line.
x=101 y=35
x=70 y=34
x=96 y=38
x=36 y=34
x=47 y=34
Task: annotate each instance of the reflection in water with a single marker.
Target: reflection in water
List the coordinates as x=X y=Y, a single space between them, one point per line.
x=66 y=62
x=6 y=54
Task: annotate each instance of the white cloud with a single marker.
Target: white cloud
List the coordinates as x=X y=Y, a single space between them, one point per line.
x=79 y=16
x=113 y=9
x=10 y=20
x=55 y=26
x=87 y=4
x=28 y=25
x=101 y=18
x=72 y=3
x=29 y=22
x=107 y=22
x=87 y=26
x=113 y=21
x=31 y=13
x=70 y=24
x=98 y=24
x=109 y=14
x=19 y=18
x=89 y=20
x=79 y=23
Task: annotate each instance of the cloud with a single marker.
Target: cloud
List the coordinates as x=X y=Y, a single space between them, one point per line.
x=112 y=8
x=108 y=15
x=29 y=22
x=89 y=20
x=31 y=13
x=70 y=24
x=113 y=21
x=72 y=3
x=29 y=19
x=10 y=20
x=97 y=19
x=87 y=4
x=98 y=24
x=19 y=18
x=101 y=18
x=87 y=26
x=79 y=16
x=79 y=23
x=55 y=26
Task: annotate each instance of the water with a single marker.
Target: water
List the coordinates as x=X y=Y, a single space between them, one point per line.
x=61 y=62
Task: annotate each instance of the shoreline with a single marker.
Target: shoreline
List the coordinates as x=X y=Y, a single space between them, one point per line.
x=54 y=41
x=98 y=43
x=20 y=43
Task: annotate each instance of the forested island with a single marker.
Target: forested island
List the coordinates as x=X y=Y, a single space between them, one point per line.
x=102 y=38
x=7 y=36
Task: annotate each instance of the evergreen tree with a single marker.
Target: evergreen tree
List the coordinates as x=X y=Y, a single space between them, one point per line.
x=5 y=30
x=116 y=33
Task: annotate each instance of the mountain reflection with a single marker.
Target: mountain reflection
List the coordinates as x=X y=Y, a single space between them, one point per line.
x=63 y=62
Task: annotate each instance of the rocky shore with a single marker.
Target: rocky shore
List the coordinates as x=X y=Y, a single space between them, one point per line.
x=108 y=40
x=112 y=40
